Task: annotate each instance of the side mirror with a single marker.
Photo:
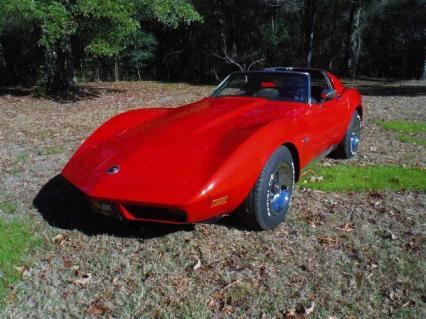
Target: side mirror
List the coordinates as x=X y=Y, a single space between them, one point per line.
x=328 y=94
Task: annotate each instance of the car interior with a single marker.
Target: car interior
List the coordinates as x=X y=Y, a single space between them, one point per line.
x=318 y=84
x=286 y=87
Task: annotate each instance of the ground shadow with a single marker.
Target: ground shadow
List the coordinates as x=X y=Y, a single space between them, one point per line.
x=65 y=207
x=383 y=90
x=80 y=93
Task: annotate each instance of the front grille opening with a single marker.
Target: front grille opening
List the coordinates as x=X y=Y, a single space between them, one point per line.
x=157 y=213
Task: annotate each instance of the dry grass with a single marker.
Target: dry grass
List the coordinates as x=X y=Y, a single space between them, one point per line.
x=356 y=255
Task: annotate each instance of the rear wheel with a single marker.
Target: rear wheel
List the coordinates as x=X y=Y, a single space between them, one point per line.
x=268 y=202
x=349 y=146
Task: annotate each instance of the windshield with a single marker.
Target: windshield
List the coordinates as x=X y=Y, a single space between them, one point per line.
x=278 y=86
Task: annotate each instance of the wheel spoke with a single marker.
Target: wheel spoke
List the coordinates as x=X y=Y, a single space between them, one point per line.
x=279 y=188
x=355 y=136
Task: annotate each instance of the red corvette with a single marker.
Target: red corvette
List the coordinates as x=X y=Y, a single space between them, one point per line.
x=243 y=147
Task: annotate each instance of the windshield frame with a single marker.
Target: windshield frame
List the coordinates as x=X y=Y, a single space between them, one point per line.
x=224 y=83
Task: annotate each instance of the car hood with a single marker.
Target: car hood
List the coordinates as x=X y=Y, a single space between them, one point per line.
x=171 y=157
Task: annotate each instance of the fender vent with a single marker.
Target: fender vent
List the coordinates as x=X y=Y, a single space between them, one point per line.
x=157 y=213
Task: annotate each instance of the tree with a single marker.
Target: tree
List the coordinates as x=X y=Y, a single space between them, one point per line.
x=353 y=39
x=310 y=20
x=55 y=43
x=97 y=29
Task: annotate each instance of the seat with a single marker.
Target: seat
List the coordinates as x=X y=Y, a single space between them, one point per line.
x=316 y=93
x=267 y=93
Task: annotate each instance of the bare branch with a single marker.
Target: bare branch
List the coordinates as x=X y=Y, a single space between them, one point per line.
x=253 y=63
x=229 y=60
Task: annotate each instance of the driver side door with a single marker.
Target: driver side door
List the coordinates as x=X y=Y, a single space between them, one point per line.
x=324 y=115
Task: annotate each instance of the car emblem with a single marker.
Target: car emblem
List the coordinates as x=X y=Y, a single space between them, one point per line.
x=113 y=170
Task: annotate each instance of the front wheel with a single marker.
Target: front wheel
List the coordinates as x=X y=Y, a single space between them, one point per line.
x=268 y=202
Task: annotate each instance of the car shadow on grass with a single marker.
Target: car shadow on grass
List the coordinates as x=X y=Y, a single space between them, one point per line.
x=63 y=206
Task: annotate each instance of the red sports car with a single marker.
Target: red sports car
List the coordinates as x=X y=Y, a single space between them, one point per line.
x=240 y=150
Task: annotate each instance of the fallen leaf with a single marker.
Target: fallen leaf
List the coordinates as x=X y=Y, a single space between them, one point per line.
x=232 y=283
x=21 y=269
x=59 y=239
x=290 y=314
x=408 y=303
x=327 y=241
x=347 y=228
x=309 y=310
x=96 y=308
x=84 y=279
x=314 y=179
x=228 y=309
x=197 y=265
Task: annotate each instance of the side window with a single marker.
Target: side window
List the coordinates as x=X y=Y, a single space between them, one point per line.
x=318 y=83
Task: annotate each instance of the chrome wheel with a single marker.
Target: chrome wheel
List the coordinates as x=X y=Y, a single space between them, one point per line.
x=279 y=192
x=355 y=135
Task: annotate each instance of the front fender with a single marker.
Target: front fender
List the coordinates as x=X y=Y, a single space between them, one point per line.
x=240 y=170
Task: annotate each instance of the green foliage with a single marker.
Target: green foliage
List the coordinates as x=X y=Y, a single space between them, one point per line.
x=168 y=12
x=55 y=22
x=16 y=14
x=66 y=32
x=16 y=239
x=105 y=25
x=141 y=47
x=408 y=130
x=343 y=178
x=403 y=126
x=48 y=42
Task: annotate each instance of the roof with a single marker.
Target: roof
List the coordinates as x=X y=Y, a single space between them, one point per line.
x=290 y=68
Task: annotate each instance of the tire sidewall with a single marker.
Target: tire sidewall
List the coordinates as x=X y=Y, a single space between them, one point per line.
x=264 y=214
x=348 y=148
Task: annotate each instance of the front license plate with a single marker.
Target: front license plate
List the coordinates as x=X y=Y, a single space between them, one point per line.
x=106 y=209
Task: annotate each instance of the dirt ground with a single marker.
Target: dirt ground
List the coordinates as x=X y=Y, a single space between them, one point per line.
x=338 y=255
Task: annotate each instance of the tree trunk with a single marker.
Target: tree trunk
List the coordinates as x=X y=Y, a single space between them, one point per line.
x=60 y=73
x=332 y=44
x=116 y=71
x=137 y=69
x=97 y=74
x=2 y=59
x=353 y=41
x=310 y=17
x=424 y=67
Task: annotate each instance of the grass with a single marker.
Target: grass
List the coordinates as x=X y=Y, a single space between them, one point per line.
x=403 y=126
x=20 y=160
x=8 y=207
x=357 y=254
x=53 y=150
x=16 y=239
x=353 y=178
x=407 y=130
x=412 y=139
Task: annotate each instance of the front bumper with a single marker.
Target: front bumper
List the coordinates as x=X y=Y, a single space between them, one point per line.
x=139 y=212
x=109 y=210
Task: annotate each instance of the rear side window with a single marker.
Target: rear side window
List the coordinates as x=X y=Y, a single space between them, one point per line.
x=318 y=83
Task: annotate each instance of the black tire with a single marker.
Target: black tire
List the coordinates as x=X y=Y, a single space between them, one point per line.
x=349 y=146
x=268 y=202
